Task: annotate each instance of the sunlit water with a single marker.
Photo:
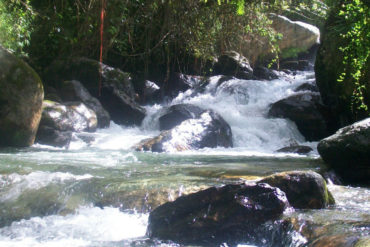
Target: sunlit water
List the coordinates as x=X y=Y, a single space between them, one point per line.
x=100 y=194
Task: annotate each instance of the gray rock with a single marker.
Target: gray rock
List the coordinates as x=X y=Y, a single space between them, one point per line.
x=21 y=95
x=75 y=91
x=112 y=87
x=348 y=152
x=59 y=120
x=209 y=130
x=217 y=215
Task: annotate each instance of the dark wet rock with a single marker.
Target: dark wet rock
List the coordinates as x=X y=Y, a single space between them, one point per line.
x=113 y=88
x=75 y=91
x=227 y=214
x=49 y=136
x=348 y=152
x=21 y=95
x=180 y=83
x=122 y=108
x=150 y=90
x=209 y=130
x=299 y=149
x=176 y=114
x=304 y=189
x=304 y=110
x=85 y=137
x=301 y=65
x=307 y=87
x=52 y=94
x=264 y=73
x=59 y=118
x=233 y=64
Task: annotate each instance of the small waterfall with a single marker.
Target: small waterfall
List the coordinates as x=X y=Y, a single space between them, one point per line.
x=242 y=103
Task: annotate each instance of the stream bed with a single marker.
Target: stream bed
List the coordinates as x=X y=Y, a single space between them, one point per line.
x=101 y=193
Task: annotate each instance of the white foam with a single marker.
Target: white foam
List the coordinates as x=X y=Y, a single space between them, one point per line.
x=87 y=226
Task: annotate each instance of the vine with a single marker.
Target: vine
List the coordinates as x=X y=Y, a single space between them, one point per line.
x=356 y=53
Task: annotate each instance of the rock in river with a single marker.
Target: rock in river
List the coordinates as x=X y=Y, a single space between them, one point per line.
x=75 y=91
x=218 y=215
x=209 y=130
x=176 y=114
x=304 y=109
x=348 y=152
x=304 y=189
x=59 y=120
x=21 y=95
x=112 y=86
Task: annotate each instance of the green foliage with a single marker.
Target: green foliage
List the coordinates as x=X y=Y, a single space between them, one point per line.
x=355 y=29
x=16 y=18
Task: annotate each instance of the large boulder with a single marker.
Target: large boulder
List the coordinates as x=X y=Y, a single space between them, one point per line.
x=304 y=189
x=297 y=38
x=339 y=96
x=176 y=114
x=209 y=130
x=348 y=152
x=112 y=87
x=21 y=95
x=232 y=63
x=75 y=91
x=60 y=120
x=304 y=110
x=228 y=214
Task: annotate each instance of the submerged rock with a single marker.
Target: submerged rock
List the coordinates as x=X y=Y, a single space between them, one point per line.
x=299 y=149
x=307 y=87
x=209 y=130
x=233 y=64
x=112 y=87
x=21 y=95
x=348 y=152
x=75 y=91
x=304 y=189
x=60 y=120
x=217 y=215
x=176 y=114
x=305 y=111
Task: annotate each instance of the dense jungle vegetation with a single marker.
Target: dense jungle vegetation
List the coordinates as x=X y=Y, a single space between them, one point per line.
x=143 y=36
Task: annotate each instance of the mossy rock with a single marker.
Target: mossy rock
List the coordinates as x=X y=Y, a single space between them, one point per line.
x=21 y=98
x=304 y=189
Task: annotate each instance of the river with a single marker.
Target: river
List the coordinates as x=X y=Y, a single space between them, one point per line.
x=101 y=193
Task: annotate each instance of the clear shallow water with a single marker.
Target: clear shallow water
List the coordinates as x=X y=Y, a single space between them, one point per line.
x=100 y=194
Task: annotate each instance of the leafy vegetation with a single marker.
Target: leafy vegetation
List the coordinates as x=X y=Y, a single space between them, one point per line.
x=16 y=18
x=355 y=29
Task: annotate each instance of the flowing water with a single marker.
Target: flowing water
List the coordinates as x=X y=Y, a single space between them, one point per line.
x=100 y=194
